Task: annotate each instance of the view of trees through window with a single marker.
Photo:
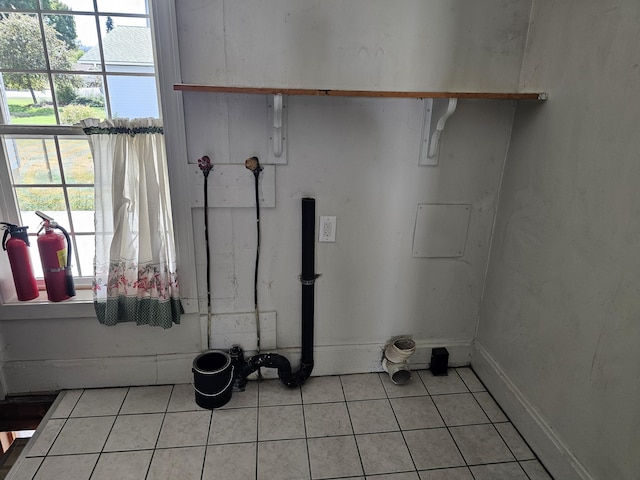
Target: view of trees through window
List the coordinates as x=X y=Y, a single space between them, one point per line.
x=62 y=61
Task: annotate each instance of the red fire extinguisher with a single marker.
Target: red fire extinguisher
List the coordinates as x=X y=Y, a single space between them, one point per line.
x=55 y=255
x=20 y=261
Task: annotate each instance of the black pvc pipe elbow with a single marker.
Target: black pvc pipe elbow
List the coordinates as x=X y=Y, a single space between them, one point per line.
x=272 y=360
x=307 y=278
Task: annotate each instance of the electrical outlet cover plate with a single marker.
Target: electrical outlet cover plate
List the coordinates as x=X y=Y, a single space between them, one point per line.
x=327 y=230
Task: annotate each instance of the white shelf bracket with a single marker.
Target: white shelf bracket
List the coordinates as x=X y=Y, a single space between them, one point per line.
x=277 y=124
x=437 y=108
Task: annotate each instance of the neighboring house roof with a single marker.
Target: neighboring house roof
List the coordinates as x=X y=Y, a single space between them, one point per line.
x=124 y=45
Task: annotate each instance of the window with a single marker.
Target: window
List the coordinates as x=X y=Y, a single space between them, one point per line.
x=62 y=61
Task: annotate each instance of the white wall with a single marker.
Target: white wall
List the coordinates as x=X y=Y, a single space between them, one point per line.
x=559 y=319
x=357 y=157
x=47 y=354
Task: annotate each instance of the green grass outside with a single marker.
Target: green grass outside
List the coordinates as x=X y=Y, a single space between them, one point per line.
x=24 y=113
x=39 y=165
x=48 y=120
x=20 y=101
x=39 y=162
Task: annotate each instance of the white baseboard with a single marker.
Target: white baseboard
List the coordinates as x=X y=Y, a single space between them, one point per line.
x=526 y=417
x=52 y=375
x=345 y=359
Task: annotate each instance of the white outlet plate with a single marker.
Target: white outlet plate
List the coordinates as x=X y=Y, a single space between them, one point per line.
x=327 y=230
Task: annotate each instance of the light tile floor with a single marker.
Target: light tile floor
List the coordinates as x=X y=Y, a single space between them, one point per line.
x=349 y=426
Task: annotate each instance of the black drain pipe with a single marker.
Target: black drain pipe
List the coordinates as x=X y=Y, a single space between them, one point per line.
x=308 y=278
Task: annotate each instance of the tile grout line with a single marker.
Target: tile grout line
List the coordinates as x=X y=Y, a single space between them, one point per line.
x=450 y=434
x=509 y=448
x=521 y=437
x=110 y=430
x=465 y=383
x=164 y=416
x=415 y=467
x=494 y=424
x=206 y=445
x=485 y=411
x=304 y=424
x=123 y=401
x=257 y=426
x=66 y=418
x=449 y=431
x=63 y=425
x=353 y=432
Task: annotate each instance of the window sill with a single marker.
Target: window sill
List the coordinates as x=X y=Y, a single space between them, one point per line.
x=40 y=308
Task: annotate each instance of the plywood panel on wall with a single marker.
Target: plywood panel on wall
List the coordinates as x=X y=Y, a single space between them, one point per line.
x=360 y=44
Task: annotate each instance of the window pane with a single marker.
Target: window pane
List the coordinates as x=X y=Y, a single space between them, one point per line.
x=131 y=6
x=80 y=5
x=66 y=31
x=23 y=111
x=133 y=97
x=86 y=245
x=18 y=4
x=79 y=97
x=33 y=161
x=21 y=49
x=35 y=256
x=127 y=45
x=84 y=220
x=49 y=200
x=87 y=32
x=76 y=161
x=81 y=201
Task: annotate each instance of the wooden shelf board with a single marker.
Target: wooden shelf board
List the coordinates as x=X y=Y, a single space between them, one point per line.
x=359 y=93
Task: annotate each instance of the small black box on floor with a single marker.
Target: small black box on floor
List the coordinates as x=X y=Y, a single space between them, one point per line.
x=439 y=361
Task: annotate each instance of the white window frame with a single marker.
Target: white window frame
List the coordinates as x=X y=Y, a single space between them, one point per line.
x=167 y=64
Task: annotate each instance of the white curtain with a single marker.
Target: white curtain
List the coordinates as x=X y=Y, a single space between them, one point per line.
x=135 y=277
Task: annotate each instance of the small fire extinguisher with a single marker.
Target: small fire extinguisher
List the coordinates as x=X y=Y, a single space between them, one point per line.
x=56 y=260
x=17 y=248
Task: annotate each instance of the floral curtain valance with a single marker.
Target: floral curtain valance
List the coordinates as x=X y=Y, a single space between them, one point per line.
x=135 y=278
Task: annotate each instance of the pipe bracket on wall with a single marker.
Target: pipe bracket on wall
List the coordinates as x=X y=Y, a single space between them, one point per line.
x=309 y=281
x=436 y=113
x=277 y=124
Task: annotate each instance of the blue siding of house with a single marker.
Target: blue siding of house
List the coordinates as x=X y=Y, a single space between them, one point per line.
x=133 y=97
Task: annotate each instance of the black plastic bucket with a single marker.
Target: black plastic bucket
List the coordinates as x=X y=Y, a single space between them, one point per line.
x=213 y=378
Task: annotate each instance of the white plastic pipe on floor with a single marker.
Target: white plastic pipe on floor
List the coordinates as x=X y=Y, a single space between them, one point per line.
x=396 y=360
